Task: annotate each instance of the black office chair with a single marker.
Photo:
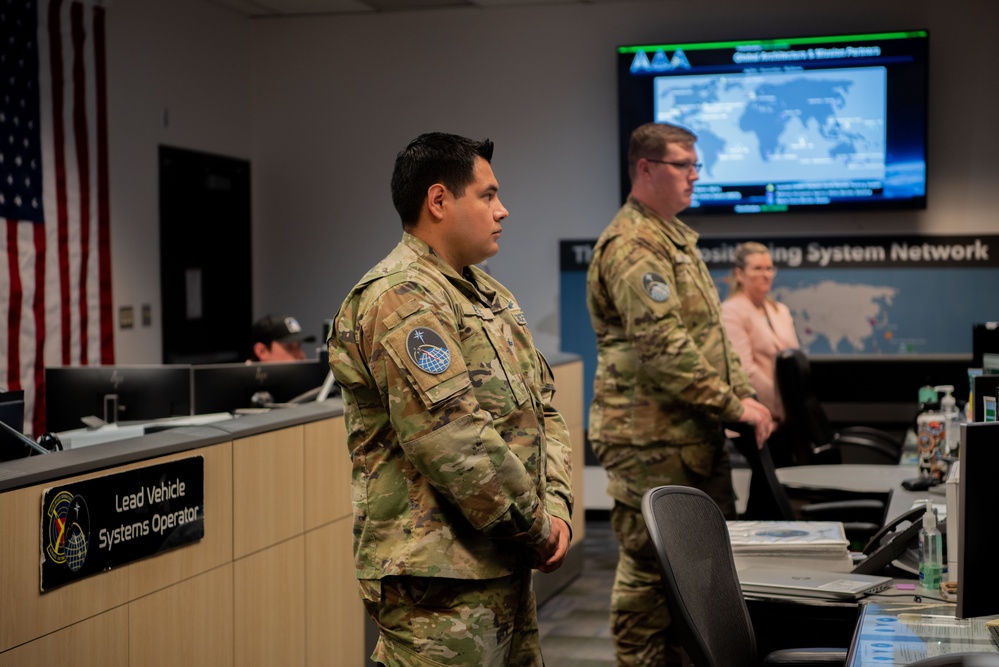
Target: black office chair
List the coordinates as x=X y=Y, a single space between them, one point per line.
x=768 y=500
x=702 y=588
x=808 y=428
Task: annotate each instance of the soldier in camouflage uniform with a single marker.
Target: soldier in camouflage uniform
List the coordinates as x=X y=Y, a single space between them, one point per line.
x=461 y=465
x=666 y=379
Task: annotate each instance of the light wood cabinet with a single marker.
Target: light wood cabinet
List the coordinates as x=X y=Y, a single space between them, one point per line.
x=267 y=481
x=271 y=583
x=101 y=641
x=569 y=402
x=270 y=605
x=190 y=623
x=334 y=616
x=245 y=594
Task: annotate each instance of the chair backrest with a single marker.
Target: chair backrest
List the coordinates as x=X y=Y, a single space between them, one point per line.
x=702 y=588
x=805 y=418
x=813 y=438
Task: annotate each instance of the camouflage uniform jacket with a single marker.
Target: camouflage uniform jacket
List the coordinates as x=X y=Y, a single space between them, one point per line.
x=666 y=372
x=458 y=456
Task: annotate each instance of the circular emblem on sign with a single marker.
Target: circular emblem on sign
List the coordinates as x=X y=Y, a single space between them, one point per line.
x=68 y=530
x=655 y=286
x=428 y=350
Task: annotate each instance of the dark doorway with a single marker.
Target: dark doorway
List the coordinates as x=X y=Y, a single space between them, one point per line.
x=205 y=271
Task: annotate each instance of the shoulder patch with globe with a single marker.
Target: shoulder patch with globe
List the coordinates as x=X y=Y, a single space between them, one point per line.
x=655 y=286
x=428 y=350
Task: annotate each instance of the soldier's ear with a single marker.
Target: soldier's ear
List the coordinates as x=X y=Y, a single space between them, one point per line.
x=436 y=196
x=643 y=167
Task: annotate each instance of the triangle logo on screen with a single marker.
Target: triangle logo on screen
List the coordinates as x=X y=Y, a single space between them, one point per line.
x=660 y=62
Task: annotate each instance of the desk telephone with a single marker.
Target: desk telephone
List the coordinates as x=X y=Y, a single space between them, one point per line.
x=888 y=544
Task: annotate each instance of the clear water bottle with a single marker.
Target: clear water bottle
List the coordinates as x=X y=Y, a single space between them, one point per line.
x=930 y=551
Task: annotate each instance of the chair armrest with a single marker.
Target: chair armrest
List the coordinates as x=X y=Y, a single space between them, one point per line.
x=872 y=433
x=807 y=656
x=861 y=518
x=827 y=455
x=846 y=510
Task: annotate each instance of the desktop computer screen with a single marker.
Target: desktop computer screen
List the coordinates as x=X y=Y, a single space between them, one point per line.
x=984 y=339
x=983 y=388
x=978 y=585
x=990 y=363
x=230 y=387
x=12 y=414
x=115 y=394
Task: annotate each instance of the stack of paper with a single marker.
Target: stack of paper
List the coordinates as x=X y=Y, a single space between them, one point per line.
x=816 y=545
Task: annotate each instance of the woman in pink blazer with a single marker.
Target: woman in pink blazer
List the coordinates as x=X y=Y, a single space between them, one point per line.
x=758 y=326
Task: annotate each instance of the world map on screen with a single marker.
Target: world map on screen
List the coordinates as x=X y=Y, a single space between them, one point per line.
x=841 y=316
x=806 y=125
x=873 y=311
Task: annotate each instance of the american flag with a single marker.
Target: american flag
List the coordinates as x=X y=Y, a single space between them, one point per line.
x=55 y=249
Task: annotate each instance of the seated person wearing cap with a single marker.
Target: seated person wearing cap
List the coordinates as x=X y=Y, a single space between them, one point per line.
x=278 y=338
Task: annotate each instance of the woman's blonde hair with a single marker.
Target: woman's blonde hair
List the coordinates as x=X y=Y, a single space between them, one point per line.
x=743 y=251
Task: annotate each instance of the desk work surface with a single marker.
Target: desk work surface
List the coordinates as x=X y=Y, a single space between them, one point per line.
x=858 y=478
x=899 y=633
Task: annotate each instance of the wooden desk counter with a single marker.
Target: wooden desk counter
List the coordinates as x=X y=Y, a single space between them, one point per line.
x=271 y=582
x=851 y=478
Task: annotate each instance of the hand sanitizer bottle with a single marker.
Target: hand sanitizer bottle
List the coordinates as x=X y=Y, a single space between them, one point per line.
x=951 y=418
x=930 y=551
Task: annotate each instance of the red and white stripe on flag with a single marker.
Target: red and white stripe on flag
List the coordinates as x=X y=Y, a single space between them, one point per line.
x=55 y=254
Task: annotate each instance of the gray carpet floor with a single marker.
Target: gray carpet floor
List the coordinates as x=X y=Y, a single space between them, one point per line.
x=575 y=623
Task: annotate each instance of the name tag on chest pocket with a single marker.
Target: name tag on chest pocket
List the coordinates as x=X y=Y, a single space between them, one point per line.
x=489 y=350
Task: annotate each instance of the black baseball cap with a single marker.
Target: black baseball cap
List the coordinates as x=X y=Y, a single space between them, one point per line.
x=280 y=328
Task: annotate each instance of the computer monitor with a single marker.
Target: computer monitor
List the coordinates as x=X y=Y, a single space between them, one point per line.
x=982 y=386
x=978 y=585
x=990 y=363
x=230 y=387
x=12 y=414
x=13 y=443
x=115 y=393
x=984 y=339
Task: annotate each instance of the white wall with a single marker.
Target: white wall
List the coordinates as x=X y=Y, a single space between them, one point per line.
x=179 y=75
x=322 y=105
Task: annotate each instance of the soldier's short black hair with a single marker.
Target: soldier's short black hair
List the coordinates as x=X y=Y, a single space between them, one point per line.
x=435 y=157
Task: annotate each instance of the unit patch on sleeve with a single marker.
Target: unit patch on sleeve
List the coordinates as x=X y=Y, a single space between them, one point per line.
x=655 y=287
x=428 y=350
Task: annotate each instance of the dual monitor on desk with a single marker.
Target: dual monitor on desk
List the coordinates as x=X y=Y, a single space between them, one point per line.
x=145 y=392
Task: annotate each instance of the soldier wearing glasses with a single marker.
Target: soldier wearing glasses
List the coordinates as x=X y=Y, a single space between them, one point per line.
x=666 y=379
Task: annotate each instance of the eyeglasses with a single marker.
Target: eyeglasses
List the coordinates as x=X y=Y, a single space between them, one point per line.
x=682 y=167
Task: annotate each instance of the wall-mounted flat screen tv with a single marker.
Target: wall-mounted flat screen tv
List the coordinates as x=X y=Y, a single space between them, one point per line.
x=788 y=125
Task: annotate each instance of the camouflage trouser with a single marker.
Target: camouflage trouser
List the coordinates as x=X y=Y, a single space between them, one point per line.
x=454 y=622
x=640 y=620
